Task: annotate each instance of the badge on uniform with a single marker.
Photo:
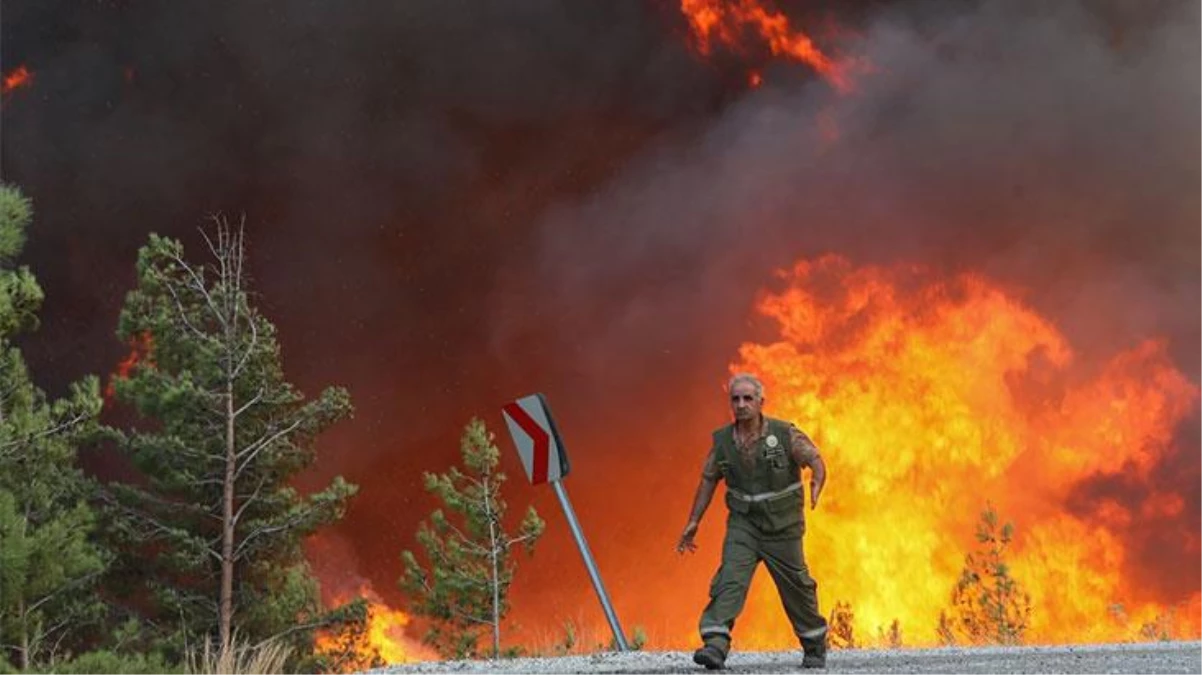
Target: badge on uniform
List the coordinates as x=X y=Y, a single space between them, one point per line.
x=774 y=453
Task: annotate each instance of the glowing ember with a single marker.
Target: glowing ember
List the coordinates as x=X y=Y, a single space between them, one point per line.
x=717 y=21
x=15 y=79
x=931 y=397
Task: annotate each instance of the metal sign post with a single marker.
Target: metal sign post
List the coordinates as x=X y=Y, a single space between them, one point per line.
x=598 y=585
x=545 y=461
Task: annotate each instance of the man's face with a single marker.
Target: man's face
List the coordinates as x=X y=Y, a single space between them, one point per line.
x=744 y=403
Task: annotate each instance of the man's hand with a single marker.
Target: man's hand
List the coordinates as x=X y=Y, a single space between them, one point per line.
x=817 y=479
x=686 y=538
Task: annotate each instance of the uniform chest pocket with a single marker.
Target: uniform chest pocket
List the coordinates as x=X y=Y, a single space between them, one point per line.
x=775 y=458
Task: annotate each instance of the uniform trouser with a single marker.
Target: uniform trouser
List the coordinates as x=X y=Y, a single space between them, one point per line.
x=742 y=550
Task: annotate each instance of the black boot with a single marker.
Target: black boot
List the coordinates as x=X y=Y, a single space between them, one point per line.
x=815 y=653
x=711 y=657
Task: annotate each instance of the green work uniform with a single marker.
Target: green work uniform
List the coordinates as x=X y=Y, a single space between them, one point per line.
x=765 y=523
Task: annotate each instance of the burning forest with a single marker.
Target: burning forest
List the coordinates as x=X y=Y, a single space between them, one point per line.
x=958 y=242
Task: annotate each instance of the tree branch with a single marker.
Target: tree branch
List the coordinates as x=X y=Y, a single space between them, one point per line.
x=463 y=539
x=312 y=625
x=250 y=500
x=255 y=448
x=199 y=285
x=518 y=540
x=153 y=525
x=59 y=590
x=270 y=529
x=243 y=408
x=62 y=426
x=183 y=315
x=250 y=349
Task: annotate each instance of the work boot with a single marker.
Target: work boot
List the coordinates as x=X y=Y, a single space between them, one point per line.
x=815 y=653
x=711 y=657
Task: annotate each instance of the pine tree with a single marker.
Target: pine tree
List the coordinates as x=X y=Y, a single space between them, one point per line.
x=464 y=591
x=988 y=605
x=215 y=526
x=48 y=561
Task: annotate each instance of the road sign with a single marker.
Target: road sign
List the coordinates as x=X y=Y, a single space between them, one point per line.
x=543 y=456
x=534 y=433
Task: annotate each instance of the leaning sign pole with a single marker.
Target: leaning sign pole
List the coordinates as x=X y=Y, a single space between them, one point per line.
x=545 y=461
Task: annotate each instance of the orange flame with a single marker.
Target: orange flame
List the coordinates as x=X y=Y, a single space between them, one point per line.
x=17 y=78
x=716 y=20
x=929 y=398
x=385 y=635
x=140 y=348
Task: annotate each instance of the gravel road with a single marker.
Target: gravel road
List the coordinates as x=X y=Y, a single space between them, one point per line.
x=1155 y=657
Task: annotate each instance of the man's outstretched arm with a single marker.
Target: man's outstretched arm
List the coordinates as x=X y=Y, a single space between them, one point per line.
x=701 y=501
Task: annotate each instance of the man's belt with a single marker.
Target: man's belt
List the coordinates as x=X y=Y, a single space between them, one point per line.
x=763 y=496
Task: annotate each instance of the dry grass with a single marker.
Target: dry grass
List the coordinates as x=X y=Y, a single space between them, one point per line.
x=260 y=659
x=581 y=636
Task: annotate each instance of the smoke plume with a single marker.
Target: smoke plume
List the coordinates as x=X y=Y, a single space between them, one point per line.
x=451 y=205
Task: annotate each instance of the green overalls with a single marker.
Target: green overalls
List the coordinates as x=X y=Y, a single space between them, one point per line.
x=765 y=523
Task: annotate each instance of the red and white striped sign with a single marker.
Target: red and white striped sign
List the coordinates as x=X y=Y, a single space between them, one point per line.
x=536 y=438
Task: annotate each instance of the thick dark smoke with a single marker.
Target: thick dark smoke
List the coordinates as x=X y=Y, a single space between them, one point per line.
x=452 y=204
x=1052 y=146
x=382 y=154
x=391 y=159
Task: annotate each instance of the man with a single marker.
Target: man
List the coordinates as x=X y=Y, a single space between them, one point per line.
x=761 y=460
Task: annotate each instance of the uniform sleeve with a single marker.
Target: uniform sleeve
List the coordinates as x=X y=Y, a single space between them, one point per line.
x=805 y=453
x=711 y=470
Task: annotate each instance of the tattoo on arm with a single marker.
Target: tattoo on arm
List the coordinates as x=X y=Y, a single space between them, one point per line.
x=805 y=453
